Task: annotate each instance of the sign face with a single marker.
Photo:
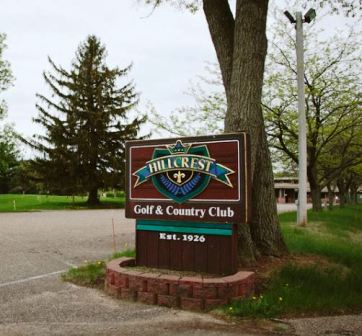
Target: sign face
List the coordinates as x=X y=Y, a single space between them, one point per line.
x=196 y=178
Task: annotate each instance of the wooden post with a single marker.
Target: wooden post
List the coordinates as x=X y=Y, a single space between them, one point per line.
x=114 y=237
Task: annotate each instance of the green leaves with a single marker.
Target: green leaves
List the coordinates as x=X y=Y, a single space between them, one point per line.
x=332 y=100
x=6 y=77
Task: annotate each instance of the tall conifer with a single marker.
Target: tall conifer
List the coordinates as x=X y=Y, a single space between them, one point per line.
x=86 y=124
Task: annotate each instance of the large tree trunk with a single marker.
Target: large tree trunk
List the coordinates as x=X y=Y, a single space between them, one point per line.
x=248 y=45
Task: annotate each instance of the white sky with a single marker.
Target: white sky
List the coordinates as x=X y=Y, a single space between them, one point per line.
x=168 y=48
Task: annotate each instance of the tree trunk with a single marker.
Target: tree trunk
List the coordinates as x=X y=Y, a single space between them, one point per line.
x=342 y=192
x=315 y=188
x=330 y=197
x=93 y=197
x=316 y=198
x=263 y=235
x=354 y=193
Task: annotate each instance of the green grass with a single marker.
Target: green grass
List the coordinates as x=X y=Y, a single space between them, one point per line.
x=92 y=274
x=15 y=202
x=328 y=277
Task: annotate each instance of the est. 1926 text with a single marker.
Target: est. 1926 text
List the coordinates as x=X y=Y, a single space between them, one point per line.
x=182 y=237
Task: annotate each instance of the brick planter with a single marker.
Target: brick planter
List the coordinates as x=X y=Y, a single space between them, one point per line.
x=189 y=293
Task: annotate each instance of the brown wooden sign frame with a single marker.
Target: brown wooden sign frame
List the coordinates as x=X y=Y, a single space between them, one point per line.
x=226 y=150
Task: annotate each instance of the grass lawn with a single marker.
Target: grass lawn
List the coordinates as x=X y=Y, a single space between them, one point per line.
x=322 y=276
x=15 y=202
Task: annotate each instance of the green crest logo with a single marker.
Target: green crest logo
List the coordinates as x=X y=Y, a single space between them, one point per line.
x=182 y=171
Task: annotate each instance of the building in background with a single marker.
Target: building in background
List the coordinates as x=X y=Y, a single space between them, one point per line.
x=286 y=190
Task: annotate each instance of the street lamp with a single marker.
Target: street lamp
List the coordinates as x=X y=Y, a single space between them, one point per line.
x=302 y=136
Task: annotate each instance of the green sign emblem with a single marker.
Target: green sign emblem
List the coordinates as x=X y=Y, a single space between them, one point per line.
x=182 y=171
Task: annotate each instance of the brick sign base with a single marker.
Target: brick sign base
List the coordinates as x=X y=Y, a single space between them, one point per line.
x=189 y=293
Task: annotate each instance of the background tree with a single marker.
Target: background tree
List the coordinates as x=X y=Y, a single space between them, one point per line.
x=9 y=159
x=6 y=78
x=240 y=43
x=86 y=125
x=9 y=153
x=333 y=104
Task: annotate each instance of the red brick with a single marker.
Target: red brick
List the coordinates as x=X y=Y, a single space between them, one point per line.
x=184 y=290
x=110 y=277
x=128 y=294
x=168 y=284
x=208 y=292
x=224 y=292
x=173 y=289
x=165 y=284
x=237 y=277
x=121 y=280
x=167 y=301
x=192 y=304
x=137 y=283
x=214 y=282
x=234 y=289
x=191 y=280
x=112 y=289
x=113 y=265
x=148 y=298
x=246 y=288
x=130 y=272
x=213 y=303
x=163 y=287
x=152 y=285
x=169 y=278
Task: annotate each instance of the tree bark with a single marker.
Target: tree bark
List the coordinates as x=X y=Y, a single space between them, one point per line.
x=263 y=235
x=93 y=198
x=315 y=188
x=316 y=198
x=330 y=197
x=354 y=193
x=221 y=26
x=342 y=192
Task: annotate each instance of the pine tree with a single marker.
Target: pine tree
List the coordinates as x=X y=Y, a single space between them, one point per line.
x=86 y=124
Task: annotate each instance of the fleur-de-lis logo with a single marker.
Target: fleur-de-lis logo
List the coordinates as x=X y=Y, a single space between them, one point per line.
x=179 y=176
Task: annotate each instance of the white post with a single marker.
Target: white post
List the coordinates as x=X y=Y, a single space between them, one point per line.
x=302 y=141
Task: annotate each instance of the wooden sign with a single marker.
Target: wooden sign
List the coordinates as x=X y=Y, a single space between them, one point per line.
x=193 y=179
x=188 y=194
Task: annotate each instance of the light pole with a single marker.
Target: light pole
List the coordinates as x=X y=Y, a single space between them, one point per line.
x=302 y=131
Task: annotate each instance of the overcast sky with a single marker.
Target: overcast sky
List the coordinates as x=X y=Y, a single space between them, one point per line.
x=168 y=48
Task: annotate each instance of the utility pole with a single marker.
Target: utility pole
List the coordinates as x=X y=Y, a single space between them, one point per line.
x=302 y=130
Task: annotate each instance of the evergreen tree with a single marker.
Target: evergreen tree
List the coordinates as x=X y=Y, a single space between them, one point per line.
x=86 y=124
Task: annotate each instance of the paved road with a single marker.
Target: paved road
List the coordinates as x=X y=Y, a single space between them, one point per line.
x=36 y=247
